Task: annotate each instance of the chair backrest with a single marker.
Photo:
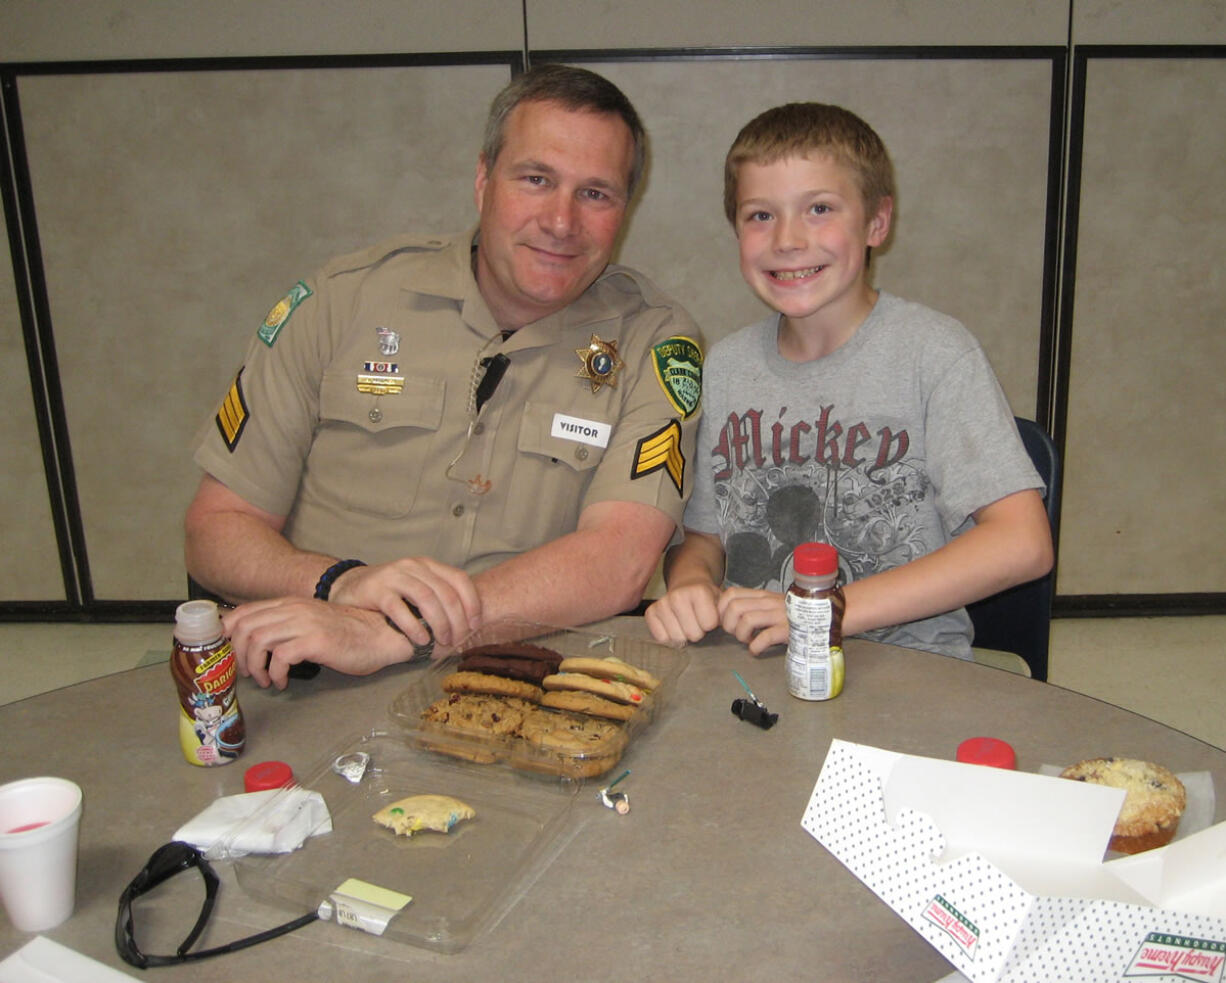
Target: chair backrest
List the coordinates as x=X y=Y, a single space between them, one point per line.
x=1019 y=619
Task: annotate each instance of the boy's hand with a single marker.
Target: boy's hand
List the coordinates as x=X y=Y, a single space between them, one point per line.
x=684 y=614
x=755 y=617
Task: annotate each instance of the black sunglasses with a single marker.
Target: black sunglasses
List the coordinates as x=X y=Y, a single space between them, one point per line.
x=167 y=861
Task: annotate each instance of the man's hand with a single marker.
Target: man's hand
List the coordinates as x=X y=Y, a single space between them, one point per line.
x=756 y=617
x=270 y=636
x=445 y=596
x=684 y=614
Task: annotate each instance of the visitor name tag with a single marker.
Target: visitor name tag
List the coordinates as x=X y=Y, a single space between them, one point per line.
x=585 y=431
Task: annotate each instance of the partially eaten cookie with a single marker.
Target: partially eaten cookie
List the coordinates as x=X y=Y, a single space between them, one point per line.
x=417 y=812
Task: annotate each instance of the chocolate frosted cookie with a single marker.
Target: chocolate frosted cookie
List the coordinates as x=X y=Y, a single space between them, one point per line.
x=526 y=670
x=518 y=650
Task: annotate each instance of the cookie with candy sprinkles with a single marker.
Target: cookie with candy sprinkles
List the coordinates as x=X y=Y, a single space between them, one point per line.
x=610 y=689
x=611 y=668
x=419 y=812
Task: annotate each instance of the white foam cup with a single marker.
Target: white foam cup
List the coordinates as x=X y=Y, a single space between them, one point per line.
x=39 y=819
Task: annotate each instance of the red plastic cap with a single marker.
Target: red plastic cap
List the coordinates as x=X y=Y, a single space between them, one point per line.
x=987 y=751
x=815 y=559
x=266 y=775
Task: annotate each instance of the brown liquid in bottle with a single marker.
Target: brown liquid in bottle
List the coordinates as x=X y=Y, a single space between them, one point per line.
x=211 y=728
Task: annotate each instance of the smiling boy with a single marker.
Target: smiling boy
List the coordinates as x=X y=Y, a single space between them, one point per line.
x=849 y=416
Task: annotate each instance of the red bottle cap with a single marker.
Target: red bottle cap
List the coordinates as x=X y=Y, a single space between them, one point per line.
x=815 y=559
x=266 y=775
x=987 y=751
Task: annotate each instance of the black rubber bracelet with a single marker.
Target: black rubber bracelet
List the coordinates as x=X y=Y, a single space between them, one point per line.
x=324 y=587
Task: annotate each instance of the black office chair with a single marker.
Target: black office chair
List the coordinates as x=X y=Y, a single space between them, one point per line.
x=1018 y=620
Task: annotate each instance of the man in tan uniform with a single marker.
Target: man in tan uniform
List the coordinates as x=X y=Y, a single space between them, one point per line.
x=499 y=425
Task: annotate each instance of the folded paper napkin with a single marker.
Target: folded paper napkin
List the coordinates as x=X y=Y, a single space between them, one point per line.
x=276 y=820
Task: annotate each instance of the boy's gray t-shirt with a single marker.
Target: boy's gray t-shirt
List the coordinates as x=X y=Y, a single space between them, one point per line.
x=883 y=448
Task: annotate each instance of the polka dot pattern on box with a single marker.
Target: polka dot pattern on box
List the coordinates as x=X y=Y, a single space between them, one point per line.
x=980 y=919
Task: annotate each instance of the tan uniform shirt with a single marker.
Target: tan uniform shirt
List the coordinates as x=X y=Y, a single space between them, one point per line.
x=357 y=393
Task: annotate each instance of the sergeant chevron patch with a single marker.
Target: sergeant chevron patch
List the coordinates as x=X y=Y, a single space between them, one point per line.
x=661 y=449
x=232 y=417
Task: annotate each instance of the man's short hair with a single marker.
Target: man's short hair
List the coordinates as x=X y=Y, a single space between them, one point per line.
x=575 y=88
x=798 y=129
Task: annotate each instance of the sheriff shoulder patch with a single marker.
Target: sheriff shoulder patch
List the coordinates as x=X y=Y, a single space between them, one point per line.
x=661 y=449
x=280 y=314
x=233 y=415
x=678 y=364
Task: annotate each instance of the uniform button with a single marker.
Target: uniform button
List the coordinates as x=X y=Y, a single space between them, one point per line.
x=458 y=511
x=581 y=453
x=479 y=428
x=375 y=415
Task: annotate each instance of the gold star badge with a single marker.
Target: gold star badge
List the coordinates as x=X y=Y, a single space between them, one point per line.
x=601 y=363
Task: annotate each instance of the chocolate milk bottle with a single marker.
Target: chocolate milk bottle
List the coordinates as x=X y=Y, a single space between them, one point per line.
x=814 y=605
x=211 y=729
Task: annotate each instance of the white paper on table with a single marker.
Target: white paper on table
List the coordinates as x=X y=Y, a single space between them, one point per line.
x=270 y=821
x=43 y=961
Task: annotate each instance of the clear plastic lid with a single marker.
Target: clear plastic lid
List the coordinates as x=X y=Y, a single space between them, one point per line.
x=197 y=622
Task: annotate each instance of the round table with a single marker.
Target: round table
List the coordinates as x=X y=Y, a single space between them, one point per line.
x=709 y=877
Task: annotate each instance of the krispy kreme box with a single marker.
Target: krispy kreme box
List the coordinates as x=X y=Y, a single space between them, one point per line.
x=542 y=742
x=1002 y=871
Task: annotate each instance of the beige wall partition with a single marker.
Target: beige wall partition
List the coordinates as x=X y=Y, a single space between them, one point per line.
x=30 y=560
x=818 y=23
x=175 y=208
x=970 y=149
x=177 y=200
x=1144 y=493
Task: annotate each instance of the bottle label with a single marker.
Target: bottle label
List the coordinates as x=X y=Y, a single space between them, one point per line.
x=815 y=667
x=211 y=729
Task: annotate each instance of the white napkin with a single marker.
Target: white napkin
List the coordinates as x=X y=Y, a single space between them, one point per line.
x=42 y=961
x=275 y=820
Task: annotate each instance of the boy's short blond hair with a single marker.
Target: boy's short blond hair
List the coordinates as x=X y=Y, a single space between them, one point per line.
x=798 y=129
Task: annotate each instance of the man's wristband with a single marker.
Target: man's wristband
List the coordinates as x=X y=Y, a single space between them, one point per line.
x=324 y=587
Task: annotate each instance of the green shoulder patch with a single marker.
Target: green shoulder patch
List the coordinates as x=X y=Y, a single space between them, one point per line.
x=678 y=365
x=280 y=314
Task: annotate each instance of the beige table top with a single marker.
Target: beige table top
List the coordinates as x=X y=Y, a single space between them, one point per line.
x=710 y=876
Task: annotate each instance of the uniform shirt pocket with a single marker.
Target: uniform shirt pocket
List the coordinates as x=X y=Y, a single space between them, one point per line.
x=550 y=437
x=552 y=472
x=370 y=450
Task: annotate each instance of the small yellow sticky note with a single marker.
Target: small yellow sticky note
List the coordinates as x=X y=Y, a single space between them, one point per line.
x=381 y=897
